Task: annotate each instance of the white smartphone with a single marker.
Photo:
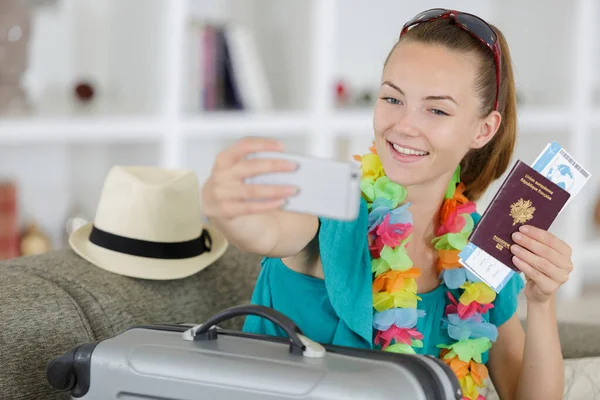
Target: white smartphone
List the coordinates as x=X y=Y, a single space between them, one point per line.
x=326 y=188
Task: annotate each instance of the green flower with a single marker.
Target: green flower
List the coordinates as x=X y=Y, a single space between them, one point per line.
x=469 y=223
x=400 y=348
x=366 y=186
x=385 y=188
x=451 y=241
x=468 y=349
x=397 y=258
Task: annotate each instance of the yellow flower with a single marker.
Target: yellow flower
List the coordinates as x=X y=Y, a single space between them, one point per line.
x=469 y=388
x=371 y=166
x=478 y=291
x=404 y=299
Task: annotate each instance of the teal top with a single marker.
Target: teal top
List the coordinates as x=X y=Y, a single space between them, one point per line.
x=339 y=309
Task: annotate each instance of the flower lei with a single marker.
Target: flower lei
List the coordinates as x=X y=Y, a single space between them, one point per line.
x=394 y=286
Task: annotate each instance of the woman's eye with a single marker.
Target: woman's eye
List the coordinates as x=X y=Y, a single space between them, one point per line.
x=391 y=100
x=438 y=112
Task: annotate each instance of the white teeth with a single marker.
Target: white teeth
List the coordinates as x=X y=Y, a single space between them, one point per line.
x=409 y=152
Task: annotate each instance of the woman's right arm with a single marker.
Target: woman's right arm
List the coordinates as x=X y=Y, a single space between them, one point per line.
x=259 y=227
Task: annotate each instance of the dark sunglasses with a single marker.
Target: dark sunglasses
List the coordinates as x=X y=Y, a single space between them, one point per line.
x=477 y=27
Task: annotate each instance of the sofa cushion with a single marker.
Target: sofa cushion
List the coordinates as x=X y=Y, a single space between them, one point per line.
x=581 y=380
x=53 y=302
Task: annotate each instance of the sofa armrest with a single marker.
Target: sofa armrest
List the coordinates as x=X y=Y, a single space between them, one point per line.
x=37 y=319
x=579 y=340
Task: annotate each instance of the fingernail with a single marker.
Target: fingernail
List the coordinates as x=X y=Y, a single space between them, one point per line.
x=292 y=166
x=524 y=228
x=517 y=236
x=515 y=248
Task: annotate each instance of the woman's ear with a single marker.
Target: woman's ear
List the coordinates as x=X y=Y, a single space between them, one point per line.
x=487 y=129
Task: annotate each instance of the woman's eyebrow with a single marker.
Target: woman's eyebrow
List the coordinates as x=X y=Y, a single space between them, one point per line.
x=441 y=98
x=393 y=86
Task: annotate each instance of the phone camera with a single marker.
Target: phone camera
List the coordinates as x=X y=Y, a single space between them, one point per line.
x=354 y=175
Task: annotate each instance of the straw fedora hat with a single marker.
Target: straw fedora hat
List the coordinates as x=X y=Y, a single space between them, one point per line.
x=149 y=225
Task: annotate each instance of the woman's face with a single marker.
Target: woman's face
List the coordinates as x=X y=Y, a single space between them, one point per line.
x=427 y=113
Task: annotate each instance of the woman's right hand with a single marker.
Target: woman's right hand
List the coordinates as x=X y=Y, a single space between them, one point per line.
x=225 y=195
x=250 y=215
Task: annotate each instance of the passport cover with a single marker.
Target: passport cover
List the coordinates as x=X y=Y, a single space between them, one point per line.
x=525 y=198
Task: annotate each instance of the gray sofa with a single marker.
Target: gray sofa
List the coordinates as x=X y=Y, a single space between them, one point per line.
x=51 y=303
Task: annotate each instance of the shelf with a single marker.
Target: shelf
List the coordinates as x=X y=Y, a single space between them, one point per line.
x=78 y=129
x=58 y=121
x=353 y=122
x=232 y=123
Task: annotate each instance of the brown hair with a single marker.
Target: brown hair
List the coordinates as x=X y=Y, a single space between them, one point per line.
x=479 y=167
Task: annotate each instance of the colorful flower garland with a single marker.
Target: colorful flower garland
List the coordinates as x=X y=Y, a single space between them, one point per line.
x=395 y=297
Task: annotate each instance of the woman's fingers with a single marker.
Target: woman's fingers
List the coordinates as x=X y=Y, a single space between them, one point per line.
x=234 y=209
x=539 y=248
x=544 y=282
x=252 y=192
x=544 y=237
x=229 y=192
x=541 y=264
x=252 y=167
x=232 y=155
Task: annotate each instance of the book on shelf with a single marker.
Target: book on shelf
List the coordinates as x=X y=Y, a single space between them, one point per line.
x=9 y=221
x=225 y=71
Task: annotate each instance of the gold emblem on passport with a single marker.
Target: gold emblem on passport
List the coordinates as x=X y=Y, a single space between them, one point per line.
x=521 y=211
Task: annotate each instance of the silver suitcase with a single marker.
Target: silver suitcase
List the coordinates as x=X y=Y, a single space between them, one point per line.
x=187 y=362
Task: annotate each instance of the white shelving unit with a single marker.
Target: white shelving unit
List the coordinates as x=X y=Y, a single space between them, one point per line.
x=330 y=37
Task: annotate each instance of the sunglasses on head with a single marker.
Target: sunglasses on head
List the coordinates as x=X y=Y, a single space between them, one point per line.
x=477 y=27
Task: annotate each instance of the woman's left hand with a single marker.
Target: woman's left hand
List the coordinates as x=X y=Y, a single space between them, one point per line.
x=544 y=259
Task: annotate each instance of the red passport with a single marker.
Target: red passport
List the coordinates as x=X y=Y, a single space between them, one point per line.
x=525 y=198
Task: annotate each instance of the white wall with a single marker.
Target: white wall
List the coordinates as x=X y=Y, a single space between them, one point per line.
x=366 y=32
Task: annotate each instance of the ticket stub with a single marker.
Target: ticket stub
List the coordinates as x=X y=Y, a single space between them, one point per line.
x=556 y=164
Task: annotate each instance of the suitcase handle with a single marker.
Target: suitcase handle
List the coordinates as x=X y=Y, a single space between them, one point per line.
x=208 y=330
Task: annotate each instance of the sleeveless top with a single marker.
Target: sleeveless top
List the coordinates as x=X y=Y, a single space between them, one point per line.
x=339 y=309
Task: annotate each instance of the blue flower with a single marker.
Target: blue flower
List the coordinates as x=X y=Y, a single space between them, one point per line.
x=454 y=278
x=401 y=215
x=470 y=328
x=401 y=317
x=381 y=207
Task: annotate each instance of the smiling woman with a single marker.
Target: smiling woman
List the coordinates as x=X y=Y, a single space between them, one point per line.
x=441 y=117
x=444 y=130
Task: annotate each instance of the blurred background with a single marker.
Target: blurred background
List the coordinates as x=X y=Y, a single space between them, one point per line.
x=85 y=85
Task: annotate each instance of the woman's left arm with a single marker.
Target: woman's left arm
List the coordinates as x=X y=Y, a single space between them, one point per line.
x=530 y=365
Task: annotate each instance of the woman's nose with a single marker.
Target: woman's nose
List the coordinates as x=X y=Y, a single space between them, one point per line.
x=406 y=122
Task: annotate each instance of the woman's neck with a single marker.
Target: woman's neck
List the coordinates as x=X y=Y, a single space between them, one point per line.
x=426 y=201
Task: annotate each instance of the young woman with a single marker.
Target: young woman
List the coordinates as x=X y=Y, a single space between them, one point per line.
x=445 y=126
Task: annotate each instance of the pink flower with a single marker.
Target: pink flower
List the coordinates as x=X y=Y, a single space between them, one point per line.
x=376 y=246
x=392 y=235
x=467 y=208
x=402 y=335
x=466 y=312
x=455 y=221
x=453 y=224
